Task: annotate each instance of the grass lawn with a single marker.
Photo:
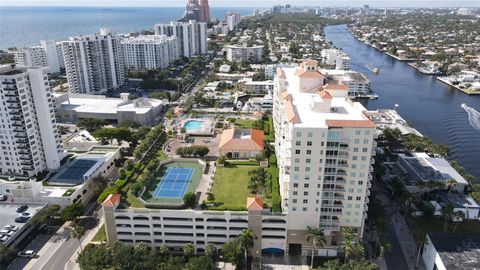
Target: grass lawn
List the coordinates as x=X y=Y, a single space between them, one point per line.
x=244 y=123
x=230 y=187
x=132 y=201
x=101 y=235
x=436 y=225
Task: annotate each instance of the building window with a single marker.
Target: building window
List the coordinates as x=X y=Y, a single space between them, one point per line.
x=296 y=169
x=365 y=141
x=310 y=134
x=349 y=198
x=297 y=152
x=306 y=185
x=305 y=209
x=360 y=182
x=299 y=134
x=307 y=160
x=305 y=193
x=309 y=152
x=295 y=193
x=298 y=143
x=367 y=132
x=309 y=143
x=297 y=160
x=294 y=209
x=357 y=141
x=364 y=150
x=294 y=200
x=355 y=149
x=295 y=185
x=305 y=201
x=359 y=198
x=357 y=132
x=307 y=169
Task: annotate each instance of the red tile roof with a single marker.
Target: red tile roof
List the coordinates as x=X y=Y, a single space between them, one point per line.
x=292 y=117
x=335 y=87
x=350 y=123
x=325 y=95
x=254 y=203
x=111 y=200
x=230 y=142
x=280 y=73
x=309 y=63
x=309 y=74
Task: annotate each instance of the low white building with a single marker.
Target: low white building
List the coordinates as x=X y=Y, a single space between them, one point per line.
x=446 y=251
x=253 y=54
x=72 y=107
x=256 y=87
x=336 y=58
x=65 y=187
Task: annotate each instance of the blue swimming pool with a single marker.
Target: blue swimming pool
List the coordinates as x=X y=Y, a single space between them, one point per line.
x=193 y=126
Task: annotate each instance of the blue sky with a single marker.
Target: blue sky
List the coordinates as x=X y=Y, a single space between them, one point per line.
x=244 y=3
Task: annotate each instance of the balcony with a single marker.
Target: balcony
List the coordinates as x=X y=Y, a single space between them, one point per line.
x=11 y=95
x=21 y=136
x=29 y=168
x=23 y=152
x=13 y=101
x=25 y=158
x=26 y=163
x=14 y=107
x=370 y=168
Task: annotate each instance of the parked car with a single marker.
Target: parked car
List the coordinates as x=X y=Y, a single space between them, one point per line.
x=3 y=198
x=3 y=232
x=10 y=227
x=25 y=214
x=22 y=208
x=26 y=253
x=21 y=219
x=4 y=238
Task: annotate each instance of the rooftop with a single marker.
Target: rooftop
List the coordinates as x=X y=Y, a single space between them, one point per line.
x=242 y=139
x=8 y=213
x=103 y=105
x=313 y=108
x=457 y=251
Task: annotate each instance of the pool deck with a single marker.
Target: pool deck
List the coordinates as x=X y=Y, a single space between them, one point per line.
x=207 y=126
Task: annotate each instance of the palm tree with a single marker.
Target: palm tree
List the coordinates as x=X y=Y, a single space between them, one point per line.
x=188 y=250
x=348 y=236
x=77 y=232
x=447 y=212
x=317 y=237
x=211 y=251
x=451 y=183
x=245 y=241
x=164 y=250
x=421 y=237
x=458 y=217
x=358 y=250
x=384 y=247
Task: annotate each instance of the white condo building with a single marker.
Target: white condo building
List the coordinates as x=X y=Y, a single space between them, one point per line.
x=324 y=145
x=53 y=54
x=232 y=19
x=30 y=57
x=192 y=36
x=29 y=137
x=253 y=54
x=94 y=64
x=150 y=52
x=336 y=58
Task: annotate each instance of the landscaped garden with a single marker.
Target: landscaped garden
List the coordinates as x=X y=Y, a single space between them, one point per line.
x=230 y=187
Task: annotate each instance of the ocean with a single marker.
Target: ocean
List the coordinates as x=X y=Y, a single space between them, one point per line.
x=26 y=26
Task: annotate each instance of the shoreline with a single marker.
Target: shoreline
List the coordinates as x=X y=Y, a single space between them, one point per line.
x=466 y=91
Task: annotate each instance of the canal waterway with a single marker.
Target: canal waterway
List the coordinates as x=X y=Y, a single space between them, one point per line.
x=430 y=106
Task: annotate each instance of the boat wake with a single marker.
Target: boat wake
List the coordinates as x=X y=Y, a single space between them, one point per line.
x=473 y=116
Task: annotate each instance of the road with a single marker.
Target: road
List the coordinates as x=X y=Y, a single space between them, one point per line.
x=67 y=249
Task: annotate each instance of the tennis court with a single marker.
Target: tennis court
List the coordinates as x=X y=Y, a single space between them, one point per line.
x=174 y=183
x=76 y=171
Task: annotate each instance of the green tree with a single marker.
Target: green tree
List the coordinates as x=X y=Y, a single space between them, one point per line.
x=72 y=212
x=447 y=212
x=188 y=250
x=211 y=251
x=77 y=231
x=91 y=124
x=164 y=250
x=317 y=238
x=94 y=257
x=352 y=265
x=123 y=256
x=348 y=238
x=7 y=254
x=189 y=199
x=458 y=216
x=233 y=253
x=128 y=123
x=245 y=241
x=202 y=262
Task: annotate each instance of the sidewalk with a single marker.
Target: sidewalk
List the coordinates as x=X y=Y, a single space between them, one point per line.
x=72 y=263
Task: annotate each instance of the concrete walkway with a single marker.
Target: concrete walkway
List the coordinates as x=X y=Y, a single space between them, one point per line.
x=72 y=263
